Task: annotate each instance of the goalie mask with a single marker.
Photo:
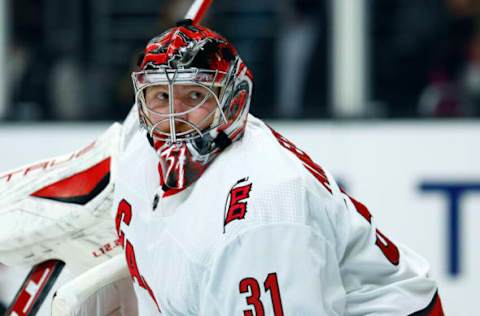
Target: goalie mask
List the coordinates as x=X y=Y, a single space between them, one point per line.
x=193 y=94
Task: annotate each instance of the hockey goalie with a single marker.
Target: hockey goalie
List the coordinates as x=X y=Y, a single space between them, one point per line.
x=193 y=206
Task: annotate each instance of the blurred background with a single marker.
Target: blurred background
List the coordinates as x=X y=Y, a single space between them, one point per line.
x=311 y=58
x=386 y=94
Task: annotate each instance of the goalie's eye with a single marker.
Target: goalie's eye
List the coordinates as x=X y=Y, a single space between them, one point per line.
x=162 y=96
x=196 y=95
x=157 y=98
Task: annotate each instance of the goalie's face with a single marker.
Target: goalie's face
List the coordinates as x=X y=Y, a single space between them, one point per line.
x=189 y=107
x=179 y=105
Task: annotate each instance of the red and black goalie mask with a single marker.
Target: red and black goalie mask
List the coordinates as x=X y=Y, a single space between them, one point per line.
x=193 y=95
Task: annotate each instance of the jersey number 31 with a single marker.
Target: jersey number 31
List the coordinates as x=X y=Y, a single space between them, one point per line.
x=250 y=285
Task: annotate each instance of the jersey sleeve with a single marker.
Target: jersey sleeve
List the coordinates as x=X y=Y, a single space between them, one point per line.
x=380 y=277
x=276 y=269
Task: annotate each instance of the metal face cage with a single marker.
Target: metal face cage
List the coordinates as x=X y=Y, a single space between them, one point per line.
x=164 y=119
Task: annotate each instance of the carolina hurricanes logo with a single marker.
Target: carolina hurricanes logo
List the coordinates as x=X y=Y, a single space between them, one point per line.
x=236 y=204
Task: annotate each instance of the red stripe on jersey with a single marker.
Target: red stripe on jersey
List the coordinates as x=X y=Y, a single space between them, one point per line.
x=307 y=162
x=79 y=184
x=433 y=309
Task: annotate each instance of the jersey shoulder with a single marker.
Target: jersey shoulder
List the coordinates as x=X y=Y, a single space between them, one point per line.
x=258 y=181
x=270 y=159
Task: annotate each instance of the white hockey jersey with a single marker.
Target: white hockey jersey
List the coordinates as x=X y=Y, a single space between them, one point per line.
x=264 y=231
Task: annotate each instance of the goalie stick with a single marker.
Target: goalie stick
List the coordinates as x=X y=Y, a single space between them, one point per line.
x=197 y=10
x=43 y=276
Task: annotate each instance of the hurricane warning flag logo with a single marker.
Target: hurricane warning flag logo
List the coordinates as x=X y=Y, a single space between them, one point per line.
x=236 y=204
